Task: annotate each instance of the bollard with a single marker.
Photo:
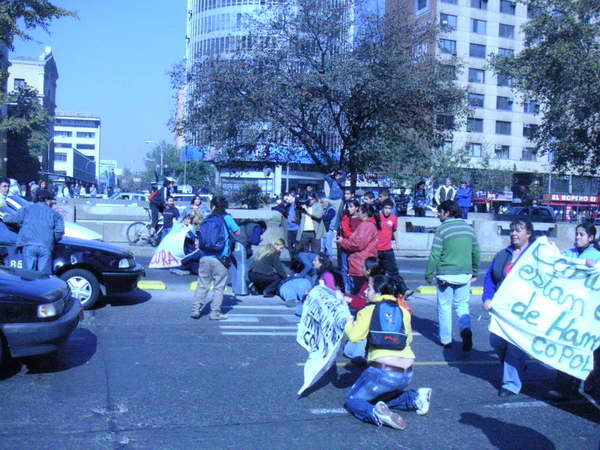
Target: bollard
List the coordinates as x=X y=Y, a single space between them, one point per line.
x=237 y=273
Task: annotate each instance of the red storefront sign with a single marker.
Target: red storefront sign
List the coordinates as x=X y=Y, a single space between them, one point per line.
x=571 y=198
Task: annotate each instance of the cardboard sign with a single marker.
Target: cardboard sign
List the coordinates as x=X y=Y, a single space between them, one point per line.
x=169 y=252
x=549 y=306
x=321 y=331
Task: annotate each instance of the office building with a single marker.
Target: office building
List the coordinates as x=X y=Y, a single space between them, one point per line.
x=41 y=74
x=77 y=146
x=500 y=120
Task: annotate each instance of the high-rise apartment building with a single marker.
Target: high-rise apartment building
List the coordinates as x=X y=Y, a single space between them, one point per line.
x=77 y=146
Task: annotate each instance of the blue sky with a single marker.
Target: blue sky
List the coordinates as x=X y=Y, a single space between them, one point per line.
x=113 y=62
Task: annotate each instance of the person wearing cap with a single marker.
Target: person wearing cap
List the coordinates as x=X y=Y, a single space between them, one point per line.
x=40 y=228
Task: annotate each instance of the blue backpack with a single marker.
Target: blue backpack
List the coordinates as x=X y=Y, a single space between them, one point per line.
x=387 y=330
x=212 y=235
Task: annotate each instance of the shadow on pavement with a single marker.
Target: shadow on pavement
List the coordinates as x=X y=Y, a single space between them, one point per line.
x=504 y=435
x=427 y=327
x=129 y=299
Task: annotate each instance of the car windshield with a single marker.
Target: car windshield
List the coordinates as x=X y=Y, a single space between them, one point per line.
x=514 y=210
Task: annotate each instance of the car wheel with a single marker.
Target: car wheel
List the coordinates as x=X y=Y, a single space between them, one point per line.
x=136 y=232
x=84 y=286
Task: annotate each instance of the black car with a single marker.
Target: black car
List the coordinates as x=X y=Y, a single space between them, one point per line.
x=37 y=313
x=91 y=268
x=532 y=213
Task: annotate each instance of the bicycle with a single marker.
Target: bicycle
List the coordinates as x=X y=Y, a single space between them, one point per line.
x=142 y=232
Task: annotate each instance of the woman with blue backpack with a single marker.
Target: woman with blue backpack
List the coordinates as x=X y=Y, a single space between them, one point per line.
x=387 y=328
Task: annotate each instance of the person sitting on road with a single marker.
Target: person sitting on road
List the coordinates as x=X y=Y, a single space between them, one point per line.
x=266 y=271
x=390 y=370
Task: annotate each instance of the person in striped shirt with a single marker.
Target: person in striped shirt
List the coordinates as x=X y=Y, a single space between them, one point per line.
x=453 y=265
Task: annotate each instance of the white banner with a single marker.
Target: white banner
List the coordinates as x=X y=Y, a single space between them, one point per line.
x=320 y=332
x=169 y=252
x=549 y=306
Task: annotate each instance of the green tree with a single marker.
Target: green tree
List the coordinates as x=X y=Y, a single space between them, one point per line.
x=249 y=194
x=197 y=173
x=302 y=79
x=559 y=68
x=27 y=129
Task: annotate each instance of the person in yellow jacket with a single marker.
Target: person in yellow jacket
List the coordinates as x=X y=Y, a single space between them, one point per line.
x=389 y=370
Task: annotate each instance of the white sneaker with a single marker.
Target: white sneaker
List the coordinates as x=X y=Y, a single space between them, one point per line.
x=423 y=401
x=387 y=417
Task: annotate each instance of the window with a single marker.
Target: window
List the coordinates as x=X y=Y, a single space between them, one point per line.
x=452 y=2
x=506 y=31
x=504 y=80
x=448 y=72
x=19 y=83
x=531 y=108
x=475 y=150
x=60 y=156
x=477 y=50
x=448 y=46
x=506 y=52
x=422 y=6
x=445 y=122
x=480 y=4
x=529 y=154
x=476 y=76
x=86 y=146
x=448 y=22
x=446 y=147
x=504 y=103
x=62 y=133
x=503 y=127
x=475 y=125
x=77 y=123
x=508 y=7
x=62 y=145
x=533 y=11
x=478 y=26
x=85 y=134
x=529 y=130
x=502 y=151
x=476 y=100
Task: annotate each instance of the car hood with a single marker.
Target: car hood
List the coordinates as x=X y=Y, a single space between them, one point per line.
x=25 y=283
x=96 y=245
x=77 y=231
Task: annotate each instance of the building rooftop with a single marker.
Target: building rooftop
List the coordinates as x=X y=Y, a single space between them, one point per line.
x=83 y=115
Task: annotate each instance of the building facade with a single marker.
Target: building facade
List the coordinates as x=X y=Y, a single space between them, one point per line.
x=4 y=64
x=41 y=74
x=77 y=146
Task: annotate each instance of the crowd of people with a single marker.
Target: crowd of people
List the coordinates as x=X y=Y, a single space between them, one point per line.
x=367 y=276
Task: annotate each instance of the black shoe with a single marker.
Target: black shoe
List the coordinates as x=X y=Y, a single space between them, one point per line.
x=556 y=396
x=268 y=295
x=467 y=338
x=446 y=346
x=505 y=393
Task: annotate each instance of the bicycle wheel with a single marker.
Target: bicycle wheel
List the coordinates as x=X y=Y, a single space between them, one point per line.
x=136 y=232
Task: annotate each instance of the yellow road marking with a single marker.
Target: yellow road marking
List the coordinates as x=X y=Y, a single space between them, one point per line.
x=152 y=284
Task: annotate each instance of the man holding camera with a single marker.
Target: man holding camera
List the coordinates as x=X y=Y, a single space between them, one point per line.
x=311 y=228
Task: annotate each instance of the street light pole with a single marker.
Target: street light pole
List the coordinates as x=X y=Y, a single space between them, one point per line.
x=48 y=154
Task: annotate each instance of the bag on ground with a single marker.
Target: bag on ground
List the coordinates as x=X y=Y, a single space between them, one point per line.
x=387 y=330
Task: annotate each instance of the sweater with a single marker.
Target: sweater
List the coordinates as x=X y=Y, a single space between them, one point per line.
x=361 y=245
x=455 y=250
x=268 y=265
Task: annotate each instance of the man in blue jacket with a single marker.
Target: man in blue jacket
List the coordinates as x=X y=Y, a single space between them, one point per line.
x=41 y=227
x=464 y=198
x=336 y=181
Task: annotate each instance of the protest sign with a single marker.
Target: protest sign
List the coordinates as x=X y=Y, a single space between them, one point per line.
x=549 y=306
x=169 y=252
x=320 y=332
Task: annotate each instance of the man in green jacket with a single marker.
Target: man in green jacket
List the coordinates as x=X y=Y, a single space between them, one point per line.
x=453 y=264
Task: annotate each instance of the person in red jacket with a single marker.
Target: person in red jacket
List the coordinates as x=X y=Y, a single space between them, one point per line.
x=349 y=223
x=361 y=245
x=387 y=234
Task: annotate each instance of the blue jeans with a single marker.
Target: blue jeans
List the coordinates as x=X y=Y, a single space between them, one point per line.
x=372 y=384
x=327 y=243
x=307 y=259
x=37 y=257
x=344 y=270
x=465 y=211
x=355 y=349
x=513 y=362
x=446 y=296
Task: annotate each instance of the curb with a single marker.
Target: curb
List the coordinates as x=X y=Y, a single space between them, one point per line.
x=432 y=290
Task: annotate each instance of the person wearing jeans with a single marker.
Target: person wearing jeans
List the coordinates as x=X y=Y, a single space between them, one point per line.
x=390 y=370
x=453 y=264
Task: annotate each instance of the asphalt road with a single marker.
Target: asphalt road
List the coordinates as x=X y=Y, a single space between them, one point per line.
x=139 y=373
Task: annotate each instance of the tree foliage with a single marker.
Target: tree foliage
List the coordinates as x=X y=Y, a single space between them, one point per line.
x=249 y=194
x=559 y=68
x=197 y=173
x=19 y=16
x=309 y=78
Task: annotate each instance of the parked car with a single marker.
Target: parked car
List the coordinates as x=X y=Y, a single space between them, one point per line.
x=133 y=196
x=37 y=313
x=91 y=267
x=532 y=213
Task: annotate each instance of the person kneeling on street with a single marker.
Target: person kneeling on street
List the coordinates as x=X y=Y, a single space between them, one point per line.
x=387 y=326
x=266 y=271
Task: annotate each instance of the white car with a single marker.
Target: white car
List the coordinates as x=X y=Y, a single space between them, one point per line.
x=133 y=196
